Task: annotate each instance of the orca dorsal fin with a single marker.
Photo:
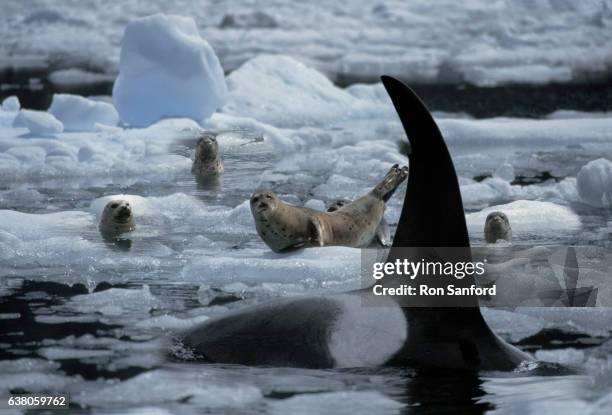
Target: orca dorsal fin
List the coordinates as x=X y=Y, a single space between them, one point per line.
x=432 y=215
x=432 y=223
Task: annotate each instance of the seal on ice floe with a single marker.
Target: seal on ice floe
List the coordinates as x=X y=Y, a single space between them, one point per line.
x=337 y=330
x=207 y=160
x=117 y=218
x=284 y=227
x=497 y=226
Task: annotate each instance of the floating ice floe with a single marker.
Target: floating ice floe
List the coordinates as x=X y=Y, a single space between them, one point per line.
x=28 y=226
x=499 y=131
x=116 y=301
x=167 y=70
x=96 y=156
x=341 y=402
x=595 y=183
x=10 y=104
x=161 y=385
x=529 y=219
x=311 y=267
x=560 y=40
x=38 y=123
x=77 y=77
x=283 y=92
x=81 y=114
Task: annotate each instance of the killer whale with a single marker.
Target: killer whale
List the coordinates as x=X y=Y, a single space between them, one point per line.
x=337 y=330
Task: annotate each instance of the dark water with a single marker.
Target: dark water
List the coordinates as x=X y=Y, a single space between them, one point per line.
x=480 y=102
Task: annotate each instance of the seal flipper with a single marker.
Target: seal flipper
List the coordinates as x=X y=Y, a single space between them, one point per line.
x=383 y=235
x=432 y=216
x=315 y=229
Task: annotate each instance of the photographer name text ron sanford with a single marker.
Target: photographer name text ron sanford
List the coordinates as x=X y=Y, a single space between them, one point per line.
x=432 y=269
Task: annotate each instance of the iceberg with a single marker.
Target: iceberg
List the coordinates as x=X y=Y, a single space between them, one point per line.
x=166 y=70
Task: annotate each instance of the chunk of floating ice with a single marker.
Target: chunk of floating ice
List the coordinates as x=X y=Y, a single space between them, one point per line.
x=62 y=353
x=488 y=191
x=167 y=70
x=168 y=322
x=342 y=402
x=505 y=172
x=28 y=226
x=11 y=104
x=36 y=382
x=38 y=122
x=595 y=183
x=76 y=76
x=162 y=385
x=498 y=131
x=81 y=114
x=563 y=356
x=529 y=218
x=314 y=98
x=314 y=265
x=116 y=301
x=27 y=365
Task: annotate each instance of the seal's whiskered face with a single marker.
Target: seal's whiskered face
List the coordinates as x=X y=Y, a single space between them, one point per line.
x=392 y=180
x=119 y=211
x=497 y=220
x=207 y=148
x=263 y=201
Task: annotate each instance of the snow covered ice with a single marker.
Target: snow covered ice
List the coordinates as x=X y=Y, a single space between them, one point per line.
x=167 y=71
x=38 y=122
x=82 y=114
x=595 y=183
x=501 y=41
x=11 y=104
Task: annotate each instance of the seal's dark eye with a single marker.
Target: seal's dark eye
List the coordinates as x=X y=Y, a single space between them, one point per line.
x=268 y=197
x=114 y=205
x=255 y=199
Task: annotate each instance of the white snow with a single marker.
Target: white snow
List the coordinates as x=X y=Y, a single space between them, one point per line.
x=81 y=114
x=10 y=104
x=260 y=89
x=595 y=183
x=38 y=122
x=167 y=70
x=501 y=41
